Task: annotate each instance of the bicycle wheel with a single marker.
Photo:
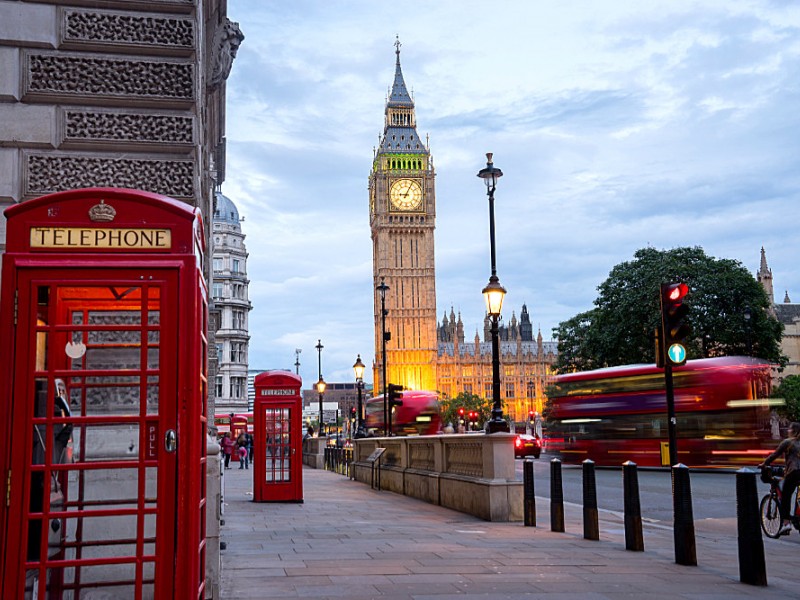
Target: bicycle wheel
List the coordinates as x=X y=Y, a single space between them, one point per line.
x=770 y=516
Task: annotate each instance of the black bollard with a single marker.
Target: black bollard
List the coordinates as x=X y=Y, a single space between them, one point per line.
x=683 y=528
x=529 y=499
x=633 y=511
x=752 y=564
x=556 y=497
x=591 y=525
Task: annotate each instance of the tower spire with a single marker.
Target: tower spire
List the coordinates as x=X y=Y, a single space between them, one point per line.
x=764 y=277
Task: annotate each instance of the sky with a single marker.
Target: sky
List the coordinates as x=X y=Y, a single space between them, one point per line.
x=617 y=124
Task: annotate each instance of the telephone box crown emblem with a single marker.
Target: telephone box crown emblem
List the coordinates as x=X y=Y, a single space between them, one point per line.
x=102 y=212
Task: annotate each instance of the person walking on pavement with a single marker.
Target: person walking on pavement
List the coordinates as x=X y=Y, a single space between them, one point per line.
x=789 y=449
x=227 y=449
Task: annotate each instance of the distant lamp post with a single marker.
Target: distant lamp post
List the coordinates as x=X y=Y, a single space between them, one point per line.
x=494 y=293
x=358 y=369
x=383 y=288
x=748 y=316
x=320 y=386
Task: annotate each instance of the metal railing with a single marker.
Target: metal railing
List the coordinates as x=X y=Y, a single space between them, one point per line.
x=338 y=460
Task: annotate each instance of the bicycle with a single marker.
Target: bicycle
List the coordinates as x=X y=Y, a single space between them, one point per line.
x=771 y=502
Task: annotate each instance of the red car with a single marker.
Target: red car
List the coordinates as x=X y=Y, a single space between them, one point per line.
x=527 y=445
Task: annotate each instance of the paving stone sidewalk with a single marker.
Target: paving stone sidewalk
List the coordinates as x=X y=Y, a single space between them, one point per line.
x=348 y=541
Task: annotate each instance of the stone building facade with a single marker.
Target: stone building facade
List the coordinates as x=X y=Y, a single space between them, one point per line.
x=788 y=313
x=526 y=364
x=117 y=94
x=231 y=303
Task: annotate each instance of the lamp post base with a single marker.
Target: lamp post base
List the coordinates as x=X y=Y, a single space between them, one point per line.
x=497 y=426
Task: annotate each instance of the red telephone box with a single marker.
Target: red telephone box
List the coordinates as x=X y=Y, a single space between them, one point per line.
x=103 y=310
x=277 y=438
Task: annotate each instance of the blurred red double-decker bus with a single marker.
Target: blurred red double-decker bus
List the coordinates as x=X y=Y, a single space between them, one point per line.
x=618 y=414
x=418 y=415
x=234 y=423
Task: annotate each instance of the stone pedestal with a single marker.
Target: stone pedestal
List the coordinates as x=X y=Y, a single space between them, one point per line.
x=470 y=473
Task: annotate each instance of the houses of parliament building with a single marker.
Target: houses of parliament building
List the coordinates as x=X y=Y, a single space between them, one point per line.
x=420 y=352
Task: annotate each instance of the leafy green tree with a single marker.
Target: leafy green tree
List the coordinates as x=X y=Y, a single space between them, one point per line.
x=789 y=391
x=620 y=328
x=448 y=407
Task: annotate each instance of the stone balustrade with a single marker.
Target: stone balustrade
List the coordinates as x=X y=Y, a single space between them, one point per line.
x=470 y=473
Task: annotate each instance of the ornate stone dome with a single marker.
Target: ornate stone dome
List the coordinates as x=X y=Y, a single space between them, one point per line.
x=225 y=210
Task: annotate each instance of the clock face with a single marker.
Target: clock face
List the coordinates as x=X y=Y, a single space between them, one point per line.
x=406 y=194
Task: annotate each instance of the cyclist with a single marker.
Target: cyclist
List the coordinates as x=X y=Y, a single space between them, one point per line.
x=789 y=449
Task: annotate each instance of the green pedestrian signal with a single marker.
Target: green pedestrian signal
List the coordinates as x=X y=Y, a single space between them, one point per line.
x=677 y=354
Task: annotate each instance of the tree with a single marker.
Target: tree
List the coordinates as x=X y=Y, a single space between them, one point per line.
x=789 y=391
x=448 y=407
x=620 y=328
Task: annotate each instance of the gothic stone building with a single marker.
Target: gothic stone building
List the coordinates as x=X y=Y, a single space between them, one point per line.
x=525 y=363
x=787 y=313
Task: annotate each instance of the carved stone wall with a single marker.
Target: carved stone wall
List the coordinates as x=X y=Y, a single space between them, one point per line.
x=47 y=173
x=127 y=127
x=91 y=27
x=89 y=79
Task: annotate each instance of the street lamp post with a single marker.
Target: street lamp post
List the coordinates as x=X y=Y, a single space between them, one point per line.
x=320 y=386
x=494 y=293
x=358 y=369
x=383 y=288
x=748 y=315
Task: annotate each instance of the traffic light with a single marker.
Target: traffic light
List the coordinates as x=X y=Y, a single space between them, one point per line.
x=352 y=412
x=530 y=415
x=674 y=329
x=395 y=395
x=461 y=413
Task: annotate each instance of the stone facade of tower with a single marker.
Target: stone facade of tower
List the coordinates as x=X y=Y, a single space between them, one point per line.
x=402 y=209
x=231 y=301
x=787 y=313
x=526 y=364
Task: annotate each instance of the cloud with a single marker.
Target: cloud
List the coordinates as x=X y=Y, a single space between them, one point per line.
x=617 y=124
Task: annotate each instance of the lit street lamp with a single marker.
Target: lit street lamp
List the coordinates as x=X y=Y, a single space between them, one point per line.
x=494 y=293
x=358 y=369
x=320 y=386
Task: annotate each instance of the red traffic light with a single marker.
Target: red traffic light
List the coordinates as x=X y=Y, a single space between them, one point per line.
x=675 y=292
x=461 y=411
x=674 y=328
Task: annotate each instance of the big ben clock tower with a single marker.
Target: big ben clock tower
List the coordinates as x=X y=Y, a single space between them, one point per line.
x=402 y=207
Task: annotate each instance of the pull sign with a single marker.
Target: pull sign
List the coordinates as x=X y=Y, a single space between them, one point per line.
x=170 y=440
